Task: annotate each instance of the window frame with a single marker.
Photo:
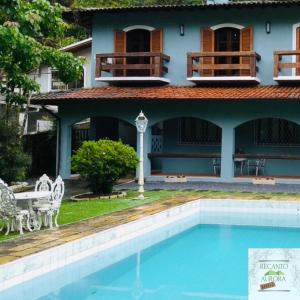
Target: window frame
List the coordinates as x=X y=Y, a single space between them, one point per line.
x=259 y=142
x=198 y=143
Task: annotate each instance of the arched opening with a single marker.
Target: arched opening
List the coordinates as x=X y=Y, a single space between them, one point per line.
x=186 y=146
x=95 y=128
x=138 y=40
x=267 y=147
x=227 y=39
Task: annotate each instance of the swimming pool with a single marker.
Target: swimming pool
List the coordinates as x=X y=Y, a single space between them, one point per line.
x=189 y=259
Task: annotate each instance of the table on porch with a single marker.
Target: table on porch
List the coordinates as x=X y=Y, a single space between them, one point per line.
x=237 y=158
x=29 y=197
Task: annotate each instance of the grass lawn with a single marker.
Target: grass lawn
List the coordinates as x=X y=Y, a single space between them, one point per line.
x=72 y=212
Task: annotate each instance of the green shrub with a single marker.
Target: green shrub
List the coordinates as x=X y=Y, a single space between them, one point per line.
x=103 y=162
x=14 y=162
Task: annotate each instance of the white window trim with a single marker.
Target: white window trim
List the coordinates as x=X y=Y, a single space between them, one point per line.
x=222 y=25
x=295 y=26
x=84 y=77
x=134 y=27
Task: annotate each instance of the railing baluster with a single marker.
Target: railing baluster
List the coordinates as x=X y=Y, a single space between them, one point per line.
x=247 y=66
x=120 y=65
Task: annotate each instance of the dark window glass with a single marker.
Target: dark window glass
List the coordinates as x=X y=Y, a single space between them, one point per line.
x=196 y=131
x=227 y=39
x=276 y=132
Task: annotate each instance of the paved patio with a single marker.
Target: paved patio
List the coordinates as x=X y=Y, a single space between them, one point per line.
x=215 y=186
x=38 y=241
x=74 y=187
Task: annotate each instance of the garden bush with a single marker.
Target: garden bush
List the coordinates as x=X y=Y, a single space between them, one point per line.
x=103 y=162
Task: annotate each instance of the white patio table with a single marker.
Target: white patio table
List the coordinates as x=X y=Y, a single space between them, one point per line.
x=241 y=161
x=29 y=197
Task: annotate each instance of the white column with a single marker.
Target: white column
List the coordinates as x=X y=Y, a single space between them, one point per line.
x=65 y=150
x=227 y=151
x=146 y=150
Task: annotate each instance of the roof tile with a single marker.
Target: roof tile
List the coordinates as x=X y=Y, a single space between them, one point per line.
x=171 y=93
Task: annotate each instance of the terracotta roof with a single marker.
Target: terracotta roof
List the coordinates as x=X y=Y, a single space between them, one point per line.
x=205 y=4
x=171 y=93
x=83 y=44
x=84 y=16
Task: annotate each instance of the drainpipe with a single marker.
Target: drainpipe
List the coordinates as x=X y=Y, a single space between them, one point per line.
x=58 y=134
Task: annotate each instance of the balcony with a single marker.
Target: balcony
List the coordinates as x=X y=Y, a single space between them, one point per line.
x=287 y=67
x=132 y=68
x=223 y=67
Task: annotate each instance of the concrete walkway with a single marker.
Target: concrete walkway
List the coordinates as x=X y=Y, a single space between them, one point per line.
x=215 y=186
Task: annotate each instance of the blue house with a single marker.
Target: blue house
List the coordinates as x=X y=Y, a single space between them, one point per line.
x=219 y=83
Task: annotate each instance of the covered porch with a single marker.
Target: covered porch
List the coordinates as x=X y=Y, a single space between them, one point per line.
x=196 y=134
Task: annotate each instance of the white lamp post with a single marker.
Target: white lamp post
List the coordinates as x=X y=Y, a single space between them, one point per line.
x=141 y=124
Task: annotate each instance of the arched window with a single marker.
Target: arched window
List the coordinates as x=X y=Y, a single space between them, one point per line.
x=227 y=39
x=138 y=40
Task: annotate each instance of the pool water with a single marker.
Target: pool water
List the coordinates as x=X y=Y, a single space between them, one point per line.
x=204 y=262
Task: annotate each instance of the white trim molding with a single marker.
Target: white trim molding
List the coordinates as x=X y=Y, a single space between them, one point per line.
x=295 y=26
x=134 y=27
x=222 y=25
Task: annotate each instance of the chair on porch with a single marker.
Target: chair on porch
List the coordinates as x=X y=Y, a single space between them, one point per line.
x=216 y=165
x=258 y=165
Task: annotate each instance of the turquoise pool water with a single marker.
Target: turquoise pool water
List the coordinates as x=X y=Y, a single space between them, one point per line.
x=204 y=262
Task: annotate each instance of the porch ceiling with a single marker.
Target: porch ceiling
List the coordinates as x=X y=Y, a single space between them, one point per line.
x=171 y=93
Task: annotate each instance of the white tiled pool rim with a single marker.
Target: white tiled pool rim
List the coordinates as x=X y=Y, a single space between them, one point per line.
x=210 y=211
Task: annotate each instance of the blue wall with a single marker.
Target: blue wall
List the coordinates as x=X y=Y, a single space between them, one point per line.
x=227 y=115
x=282 y=20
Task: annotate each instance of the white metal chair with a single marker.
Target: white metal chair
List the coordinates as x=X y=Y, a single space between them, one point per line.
x=44 y=184
x=12 y=215
x=58 y=191
x=216 y=165
x=50 y=207
x=258 y=165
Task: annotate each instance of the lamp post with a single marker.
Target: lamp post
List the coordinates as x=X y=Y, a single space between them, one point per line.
x=141 y=124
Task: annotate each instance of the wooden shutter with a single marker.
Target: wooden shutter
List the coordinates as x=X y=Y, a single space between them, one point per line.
x=156 y=45
x=156 y=40
x=207 y=45
x=246 y=44
x=120 y=47
x=298 y=48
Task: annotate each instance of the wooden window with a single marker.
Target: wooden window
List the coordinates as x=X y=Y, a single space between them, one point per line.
x=227 y=39
x=197 y=131
x=276 y=132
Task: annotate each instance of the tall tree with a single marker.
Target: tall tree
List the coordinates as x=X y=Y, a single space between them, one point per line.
x=29 y=31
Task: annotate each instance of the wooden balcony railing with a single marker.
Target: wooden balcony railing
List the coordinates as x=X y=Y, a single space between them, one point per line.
x=213 y=64
x=292 y=65
x=132 y=63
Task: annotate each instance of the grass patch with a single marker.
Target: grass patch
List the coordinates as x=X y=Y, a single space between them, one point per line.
x=72 y=212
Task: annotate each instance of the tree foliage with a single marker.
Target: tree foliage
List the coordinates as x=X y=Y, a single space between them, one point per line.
x=103 y=162
x=14 y=163
x=29 y=35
